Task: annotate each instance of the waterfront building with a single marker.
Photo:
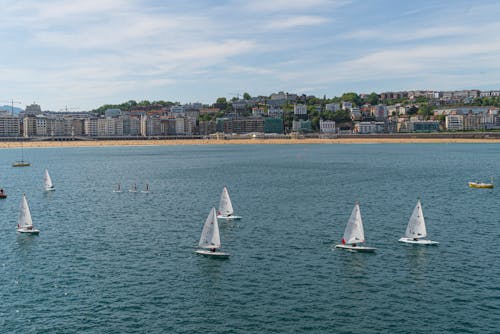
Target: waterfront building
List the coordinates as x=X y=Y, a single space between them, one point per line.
x=423 y=126
x=301 y=126
x=454 y=122
x=56 y=127
x=207 y=127
x=224 y=125
x=327 y=126
x=473 y=121
x=29 y=126
x=273 y=125
x=247 y=125
x=369 y=127
x=90 y=126
x=10 y=126
x=179 y=125
x=75 y=126
x=150 y=126
x=41 y=125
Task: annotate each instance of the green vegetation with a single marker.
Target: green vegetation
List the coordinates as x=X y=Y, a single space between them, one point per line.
x=126 y=106
x=421 y=106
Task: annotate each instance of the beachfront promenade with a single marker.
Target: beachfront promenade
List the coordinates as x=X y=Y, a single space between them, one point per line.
x=462 y=137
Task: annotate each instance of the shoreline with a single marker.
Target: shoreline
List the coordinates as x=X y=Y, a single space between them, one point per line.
x=252 y=141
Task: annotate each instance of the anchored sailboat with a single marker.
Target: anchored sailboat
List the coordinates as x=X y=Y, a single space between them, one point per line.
x=415 y=230
x=24 y=222
x=354 y=233
x=226 y=207
x=210 y=238
x=21 y=163
x=49 y=186
x=482 y=184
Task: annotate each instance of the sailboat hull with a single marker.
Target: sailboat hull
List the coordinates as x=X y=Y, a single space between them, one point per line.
x=21 y=164
x=481 y=185
x=418 y=242
x=215 y=255
x=352 y=248
x=229 y=217
x=50 y=189
x=26 y=231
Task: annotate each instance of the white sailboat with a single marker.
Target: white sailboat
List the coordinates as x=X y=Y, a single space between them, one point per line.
x=24 y=222
x=210 y=238
x=118 y=188
x=415 y=230
x=226 y=207
x=133 y=189
x=49 y=186
x=146 y=189
x=354 y=233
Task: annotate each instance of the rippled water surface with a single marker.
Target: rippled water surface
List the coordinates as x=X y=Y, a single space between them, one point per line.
x=124 y=263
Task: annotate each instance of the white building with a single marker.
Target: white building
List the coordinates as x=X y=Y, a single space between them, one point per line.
x=179 y=126
x=177 y=110
x=454 y=122
x=327 y=126
x=299 y=109
x=332 y=107
x=90 y=127
x=150 y=126
x=369 y=127
x=275 y=112
x=41 y=125
x=346 y=105
x=29 y=126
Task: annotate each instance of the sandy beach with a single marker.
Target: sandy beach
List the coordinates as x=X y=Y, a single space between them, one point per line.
x=255 y=141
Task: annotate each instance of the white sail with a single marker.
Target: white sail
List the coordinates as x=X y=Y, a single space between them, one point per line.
x=24 y=219
x=354 y=230
x=225 y=205
x=416 y=224
x=48 y=180
x=210 y=237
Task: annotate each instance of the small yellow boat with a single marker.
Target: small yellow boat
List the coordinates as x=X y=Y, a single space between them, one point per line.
x=21 y=163
x=481 y=185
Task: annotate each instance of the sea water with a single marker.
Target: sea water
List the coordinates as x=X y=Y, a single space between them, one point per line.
x=108 y=262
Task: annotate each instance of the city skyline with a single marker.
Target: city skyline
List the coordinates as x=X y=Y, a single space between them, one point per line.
x=85 y=55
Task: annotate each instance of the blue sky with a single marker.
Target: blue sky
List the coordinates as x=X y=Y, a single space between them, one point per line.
x=84 y=54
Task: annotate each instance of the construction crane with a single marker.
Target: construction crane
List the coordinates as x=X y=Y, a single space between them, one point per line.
x=12 y=105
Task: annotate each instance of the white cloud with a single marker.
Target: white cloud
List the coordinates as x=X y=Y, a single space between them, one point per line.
x=290 y=5
x=295 y=21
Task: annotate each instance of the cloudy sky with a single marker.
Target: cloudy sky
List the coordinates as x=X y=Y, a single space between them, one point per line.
x=83 y=54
